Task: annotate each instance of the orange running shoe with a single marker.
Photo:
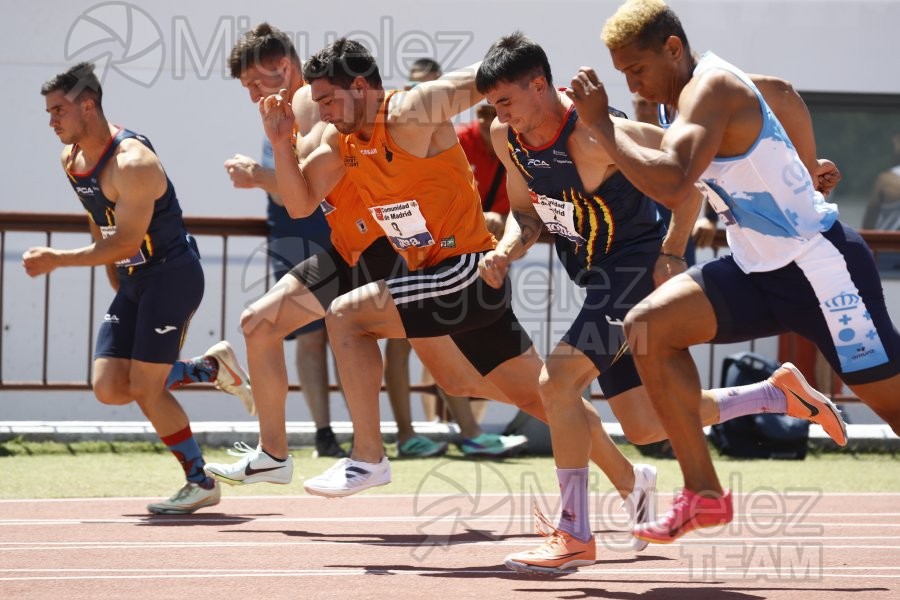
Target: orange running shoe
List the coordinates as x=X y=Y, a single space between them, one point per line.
x=689 y=512
x=558 y=555
x=805 y=402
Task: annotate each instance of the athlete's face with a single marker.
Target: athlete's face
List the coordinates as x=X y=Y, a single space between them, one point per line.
x=343 y=108
x=67 y=118
x=650 y=72
x=266 y=78
x=517 y=103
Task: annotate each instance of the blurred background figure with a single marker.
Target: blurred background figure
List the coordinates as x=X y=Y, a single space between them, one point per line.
x=883 y=210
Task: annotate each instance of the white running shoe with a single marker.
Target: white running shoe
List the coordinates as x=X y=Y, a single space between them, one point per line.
x=347 y=477
x=255 y=466
x=641 y=502
x=188 y=499
x=231 y=378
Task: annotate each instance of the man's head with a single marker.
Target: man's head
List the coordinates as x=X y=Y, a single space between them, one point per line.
x=424 y=69
x=514 y=77
x=265 y=61
x=341 y=76
x=73 y=98
x=648 y=45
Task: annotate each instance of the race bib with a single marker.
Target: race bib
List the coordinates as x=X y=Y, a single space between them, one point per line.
x=137 y=259
x=404 y=224
x=558 y=217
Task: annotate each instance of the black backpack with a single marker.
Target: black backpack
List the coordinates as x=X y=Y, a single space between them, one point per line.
x=757 y=436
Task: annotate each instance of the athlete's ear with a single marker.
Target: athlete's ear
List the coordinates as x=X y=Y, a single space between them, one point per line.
x=539 y=83
x=673 y=47
x=358 y=86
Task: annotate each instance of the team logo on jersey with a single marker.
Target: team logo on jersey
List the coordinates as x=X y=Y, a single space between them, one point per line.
x=350 y=161
x=387 y=153
x=448 y=242
x=84 y=191
x=326 y=207
x=537 y=163
x=361 y=225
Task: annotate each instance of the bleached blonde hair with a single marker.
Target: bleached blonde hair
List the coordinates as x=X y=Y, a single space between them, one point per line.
x=647 y=22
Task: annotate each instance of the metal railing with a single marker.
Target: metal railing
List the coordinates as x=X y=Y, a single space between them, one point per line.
x=224 y=229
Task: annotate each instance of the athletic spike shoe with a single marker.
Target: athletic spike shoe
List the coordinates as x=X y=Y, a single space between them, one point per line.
x=255 y=466
x=640 y=504
x=491 y=444
x=559 y=554
x=689 y=512
x=805 y=402
x=347 y=477
x=231 y=377
x=419 y=446
x=188 y=499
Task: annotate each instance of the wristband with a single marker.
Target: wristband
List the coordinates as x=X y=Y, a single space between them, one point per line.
x=674 y=256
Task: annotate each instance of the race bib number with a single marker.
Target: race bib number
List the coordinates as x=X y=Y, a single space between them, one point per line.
x=715 y=196
x=404 y=224
x=558 y=217
x=137 y=259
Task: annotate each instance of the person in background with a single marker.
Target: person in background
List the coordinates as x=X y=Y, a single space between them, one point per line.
x=276 y=65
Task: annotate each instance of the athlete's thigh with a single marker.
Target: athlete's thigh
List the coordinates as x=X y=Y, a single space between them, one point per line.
x=166 y=303
x=370 y=308
x=288 y=306
x=115 y=337
x=452 y=371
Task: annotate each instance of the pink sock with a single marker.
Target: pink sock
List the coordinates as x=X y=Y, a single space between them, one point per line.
x=574 y=517
x=753 y=399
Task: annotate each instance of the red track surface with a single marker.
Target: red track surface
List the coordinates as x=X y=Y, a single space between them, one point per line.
x=832 y=546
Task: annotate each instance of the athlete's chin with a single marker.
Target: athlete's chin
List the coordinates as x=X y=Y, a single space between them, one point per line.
x=344 y=127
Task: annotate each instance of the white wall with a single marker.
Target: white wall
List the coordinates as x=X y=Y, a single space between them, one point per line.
x=179 y=94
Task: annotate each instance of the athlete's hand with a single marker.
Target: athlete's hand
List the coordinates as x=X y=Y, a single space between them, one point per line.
x=493 y=268
x=827 y=176
x=666 y=268
x=277 y=117
x=495 y=222
x=704 y=233
x=589 y=96
x=242 y=171
x=39 y=260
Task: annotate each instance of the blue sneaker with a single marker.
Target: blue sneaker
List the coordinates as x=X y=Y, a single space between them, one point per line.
x=419 y=446
x=491 y=444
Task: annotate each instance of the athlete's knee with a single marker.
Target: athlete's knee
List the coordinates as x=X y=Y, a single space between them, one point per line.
x=111 y=392
x=640 y=432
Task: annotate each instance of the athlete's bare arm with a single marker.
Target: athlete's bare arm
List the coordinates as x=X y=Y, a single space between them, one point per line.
x=791 y=111
x=524 y=229
x=667 y=174
x=134 y=180
x=301 y=187
x=419 y=119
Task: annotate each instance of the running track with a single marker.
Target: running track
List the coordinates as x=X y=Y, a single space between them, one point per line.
x=433 y=546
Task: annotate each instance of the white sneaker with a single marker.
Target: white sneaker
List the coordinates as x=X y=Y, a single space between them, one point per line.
x=231 y=378
x=348 y=477
x=641 y=502
x=188 y=499
x=255 y=466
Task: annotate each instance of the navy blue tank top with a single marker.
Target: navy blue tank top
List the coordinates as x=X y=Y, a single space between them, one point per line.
x=166 y=239
x=591 y=227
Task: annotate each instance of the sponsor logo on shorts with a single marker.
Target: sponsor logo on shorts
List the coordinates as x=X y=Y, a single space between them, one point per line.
x=110 y=318
x=165 y=330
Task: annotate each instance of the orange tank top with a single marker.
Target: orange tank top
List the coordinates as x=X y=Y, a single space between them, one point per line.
x=429 y=208
x=352 y=227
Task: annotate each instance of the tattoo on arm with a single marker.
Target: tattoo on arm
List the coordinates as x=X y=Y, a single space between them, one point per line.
x=529 y=227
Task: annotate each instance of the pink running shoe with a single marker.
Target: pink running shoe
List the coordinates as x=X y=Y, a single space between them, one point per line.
x=804 y=402
x=689 y=512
